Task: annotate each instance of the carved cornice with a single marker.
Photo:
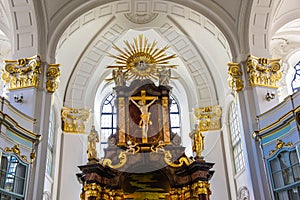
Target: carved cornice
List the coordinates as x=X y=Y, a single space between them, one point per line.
x=235 y=81
x=16 y=151
x=22 y=73
x=280 y=144
x=208 y=118
x=53 y=74
x=263 y=71
x=74 y=120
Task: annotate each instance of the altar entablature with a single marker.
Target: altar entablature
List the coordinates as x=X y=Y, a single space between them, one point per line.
x=74 y=120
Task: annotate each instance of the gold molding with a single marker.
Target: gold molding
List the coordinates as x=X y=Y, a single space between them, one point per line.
x=280 y=144
x=74 y=120
x=53 y=74
x=235 y=81
x=201 y=187
x=16 y=150
x=264 y=71
x=208 y=118
x=22 y=73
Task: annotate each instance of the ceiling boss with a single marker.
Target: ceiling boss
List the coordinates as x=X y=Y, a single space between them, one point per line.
x=141 y=60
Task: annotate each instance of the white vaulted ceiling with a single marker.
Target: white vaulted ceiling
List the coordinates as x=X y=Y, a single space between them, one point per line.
x=201 y=48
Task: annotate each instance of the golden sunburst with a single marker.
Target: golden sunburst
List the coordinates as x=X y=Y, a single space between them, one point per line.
x=141 y=59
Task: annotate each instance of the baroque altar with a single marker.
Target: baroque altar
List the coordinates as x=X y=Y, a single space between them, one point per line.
x=144 y=158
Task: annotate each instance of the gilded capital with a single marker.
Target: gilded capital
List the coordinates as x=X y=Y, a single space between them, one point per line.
x=22 y=73
x=235 y=81
x=264 y=71
x=53 y=74
x=208 y=118
x=74 y=120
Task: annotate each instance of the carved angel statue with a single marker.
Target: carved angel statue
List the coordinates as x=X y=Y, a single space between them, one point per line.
x=93 y=138
x=164 y=76
x=119 y=77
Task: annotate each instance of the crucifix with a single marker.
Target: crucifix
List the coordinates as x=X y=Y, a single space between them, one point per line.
x=145 y=114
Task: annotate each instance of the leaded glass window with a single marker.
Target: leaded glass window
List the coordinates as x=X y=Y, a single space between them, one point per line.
x=285 y=175
x=108 y=120
x=296 y=80
x=175 y=116
x=49 y=161
x=13 y=175
x=238 y=155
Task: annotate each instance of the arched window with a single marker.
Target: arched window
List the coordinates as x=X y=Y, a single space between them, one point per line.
x=49 y=162
x=235 y=131
x=175 y=116
x=285 y=175
x=108 y=119
x=296 y=80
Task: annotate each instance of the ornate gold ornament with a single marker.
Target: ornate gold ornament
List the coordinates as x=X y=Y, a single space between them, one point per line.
x=53 y=74
x=16 y=150
x=263 y=71
x=74 y=120
x=201 y=187
x=280 y=144
x=141 y=60
x=235 y=81
x=208 y=118
x=91 y=190
x=22 y=73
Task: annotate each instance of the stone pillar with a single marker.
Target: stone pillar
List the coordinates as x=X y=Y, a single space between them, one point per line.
x=28 y=81
x=254 y=84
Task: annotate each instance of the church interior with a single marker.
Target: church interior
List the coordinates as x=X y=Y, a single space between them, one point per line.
x=150 y=99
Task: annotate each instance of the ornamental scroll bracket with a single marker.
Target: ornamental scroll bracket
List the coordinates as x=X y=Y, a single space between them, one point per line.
x=263 y=71
x=53 y=74
x=22 y=73
x=16 y=150
x=74 y=120
x=235 y=81
x=280 y=144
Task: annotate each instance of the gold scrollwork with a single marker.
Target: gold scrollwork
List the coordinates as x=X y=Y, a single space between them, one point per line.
x=16 y=150
x=263 y=71
x=208 y=118
x=280 y=144
x=53 y=74
x=74 y=120
x=182 y=160
x=22 y=73
x=107 y=162
x=235 y=81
